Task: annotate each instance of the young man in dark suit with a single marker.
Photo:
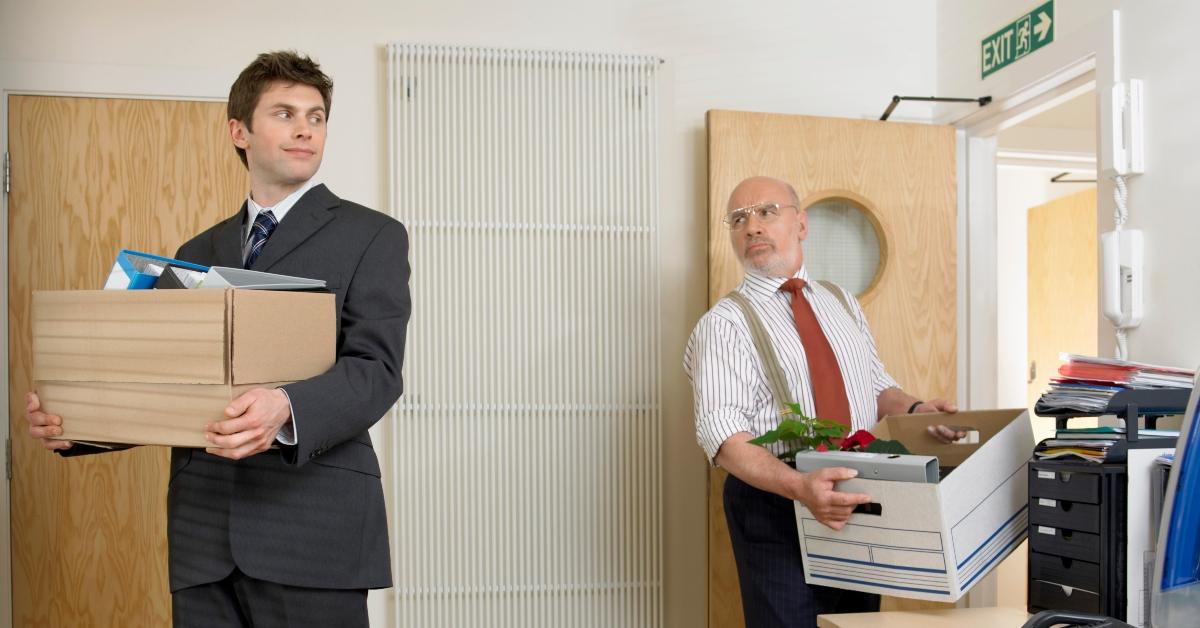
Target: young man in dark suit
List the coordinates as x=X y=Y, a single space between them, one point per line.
x=291 y=536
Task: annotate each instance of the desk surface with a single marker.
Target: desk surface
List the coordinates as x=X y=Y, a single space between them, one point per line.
x=994 y=617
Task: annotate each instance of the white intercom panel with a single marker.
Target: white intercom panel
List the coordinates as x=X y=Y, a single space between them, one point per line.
x=1121 y=266
x=1129 y=155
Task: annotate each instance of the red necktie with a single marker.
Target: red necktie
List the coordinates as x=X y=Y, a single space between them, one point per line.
x=828 y=389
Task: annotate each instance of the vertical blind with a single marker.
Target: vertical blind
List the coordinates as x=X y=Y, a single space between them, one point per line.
x=526 y=486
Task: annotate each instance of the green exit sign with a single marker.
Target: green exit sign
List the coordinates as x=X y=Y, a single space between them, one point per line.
x=1020 y=38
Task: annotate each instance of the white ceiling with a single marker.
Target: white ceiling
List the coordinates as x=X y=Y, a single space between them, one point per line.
x=1078 y=113
x=1068 y=128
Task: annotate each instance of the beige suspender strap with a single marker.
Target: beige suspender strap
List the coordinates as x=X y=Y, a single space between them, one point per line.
x=766 y=352
x=841 y=297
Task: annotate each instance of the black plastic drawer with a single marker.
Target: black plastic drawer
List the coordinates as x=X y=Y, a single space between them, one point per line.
x=1048 y=595
x=1060 y=513
x=1065 y=571
x=1071 y=486
x=1060 y=542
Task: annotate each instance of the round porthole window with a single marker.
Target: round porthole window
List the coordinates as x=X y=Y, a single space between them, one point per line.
x=843 y=244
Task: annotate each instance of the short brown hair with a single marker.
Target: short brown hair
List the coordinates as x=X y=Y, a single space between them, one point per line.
x=287 y=66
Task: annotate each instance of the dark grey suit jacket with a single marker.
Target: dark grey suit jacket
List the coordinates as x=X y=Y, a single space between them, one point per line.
x=312 y=514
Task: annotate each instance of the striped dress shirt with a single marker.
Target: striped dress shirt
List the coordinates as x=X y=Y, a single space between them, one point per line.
x=729 y=385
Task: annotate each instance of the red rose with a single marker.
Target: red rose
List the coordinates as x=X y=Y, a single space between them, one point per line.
x=857 y=441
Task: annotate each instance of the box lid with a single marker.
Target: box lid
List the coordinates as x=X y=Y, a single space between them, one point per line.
x=911 y=429
x=182 y=336
x=154 y=336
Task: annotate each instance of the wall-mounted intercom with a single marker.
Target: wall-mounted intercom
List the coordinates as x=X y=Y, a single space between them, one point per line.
x=1128 y=150
x=1121 y=280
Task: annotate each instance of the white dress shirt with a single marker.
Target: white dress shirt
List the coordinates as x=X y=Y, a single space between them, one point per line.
x=288 y=434
x=730 y=389
x=280 y=210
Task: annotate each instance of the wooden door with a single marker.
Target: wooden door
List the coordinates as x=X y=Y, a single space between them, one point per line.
x=1064 y=249
x=1063 y=311
x=89 y=177
x=903 y=176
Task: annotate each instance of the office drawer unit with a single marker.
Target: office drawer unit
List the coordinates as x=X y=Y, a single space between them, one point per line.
x=1066 y=543
x=1058 y=597
x=1069 y=572
x=1077 y=513
x=1064 y=514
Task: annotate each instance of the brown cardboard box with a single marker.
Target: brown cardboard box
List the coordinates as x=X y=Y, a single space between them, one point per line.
x=153 y=367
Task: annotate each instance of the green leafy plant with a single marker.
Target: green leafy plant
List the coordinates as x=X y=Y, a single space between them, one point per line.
x=802 y=432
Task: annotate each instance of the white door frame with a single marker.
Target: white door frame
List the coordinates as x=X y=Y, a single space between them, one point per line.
x=1093 y=69
x=1088 y=61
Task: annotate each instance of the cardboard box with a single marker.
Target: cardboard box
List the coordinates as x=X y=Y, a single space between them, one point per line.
x=153 y=367
x=930 y=541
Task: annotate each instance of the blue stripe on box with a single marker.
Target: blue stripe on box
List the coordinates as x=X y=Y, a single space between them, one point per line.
x=863 y=562
x=884 y=586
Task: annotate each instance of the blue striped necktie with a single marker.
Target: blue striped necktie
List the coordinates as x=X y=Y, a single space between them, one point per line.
x=264 y=224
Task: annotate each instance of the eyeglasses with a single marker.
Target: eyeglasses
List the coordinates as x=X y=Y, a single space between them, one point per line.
x=737 y=219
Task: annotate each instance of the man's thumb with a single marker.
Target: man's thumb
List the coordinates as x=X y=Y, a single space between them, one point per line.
x=838 y=474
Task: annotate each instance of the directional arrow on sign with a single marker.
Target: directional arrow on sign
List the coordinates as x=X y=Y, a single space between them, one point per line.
x=1043 y=25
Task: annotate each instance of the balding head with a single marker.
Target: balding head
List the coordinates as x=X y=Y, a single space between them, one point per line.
x=769 y=246
x=748 y=190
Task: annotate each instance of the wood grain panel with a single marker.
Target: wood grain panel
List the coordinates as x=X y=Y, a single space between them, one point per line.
x=90 y=176
x=905 y=173
x=1062 y=253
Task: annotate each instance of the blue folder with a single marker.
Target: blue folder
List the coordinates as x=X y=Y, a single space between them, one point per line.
x=135 y=270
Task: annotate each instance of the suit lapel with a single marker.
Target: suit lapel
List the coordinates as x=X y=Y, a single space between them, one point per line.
x=307 y=216
x=228 y=240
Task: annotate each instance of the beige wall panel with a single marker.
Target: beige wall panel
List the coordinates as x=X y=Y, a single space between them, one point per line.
x=905 y=174
x=90 y=176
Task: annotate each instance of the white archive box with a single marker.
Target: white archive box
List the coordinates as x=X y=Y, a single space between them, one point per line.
x=930 y=541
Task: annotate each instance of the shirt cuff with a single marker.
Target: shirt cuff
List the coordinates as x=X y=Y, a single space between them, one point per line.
x=714 y=429
x=288 y=434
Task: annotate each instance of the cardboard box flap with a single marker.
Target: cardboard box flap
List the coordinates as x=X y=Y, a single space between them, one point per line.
x=911 y=429
x=274 y=333
x=150 y=336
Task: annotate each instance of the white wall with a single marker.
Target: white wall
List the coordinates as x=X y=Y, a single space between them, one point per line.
x=1157 y=47
x=963 y=25
x=793 y=56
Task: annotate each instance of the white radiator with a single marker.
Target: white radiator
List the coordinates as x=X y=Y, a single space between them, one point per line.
x=526 y=483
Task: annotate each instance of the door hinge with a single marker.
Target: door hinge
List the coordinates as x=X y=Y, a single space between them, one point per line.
x=7 y=174
x=8 y=457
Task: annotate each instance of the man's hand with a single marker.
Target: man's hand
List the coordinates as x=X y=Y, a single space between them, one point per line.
x=254 y=419
x=42 y=426
x=830 y=507
x=944 y=433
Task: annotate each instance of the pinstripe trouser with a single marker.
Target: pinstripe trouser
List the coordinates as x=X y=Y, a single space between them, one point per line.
x=766 y=547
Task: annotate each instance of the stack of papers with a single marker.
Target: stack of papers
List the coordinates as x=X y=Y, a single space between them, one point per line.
x=1108 y=433
x=1089 y=443
x=1091 y=450
x=1123 y=372
x=1086 y=384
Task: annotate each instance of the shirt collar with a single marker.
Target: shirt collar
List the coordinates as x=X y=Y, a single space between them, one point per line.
x=764 y=286
x=282 y=207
